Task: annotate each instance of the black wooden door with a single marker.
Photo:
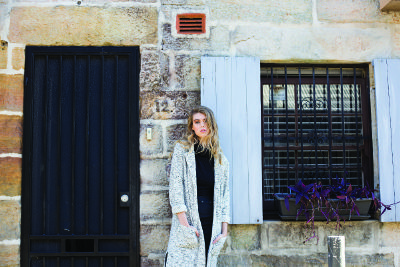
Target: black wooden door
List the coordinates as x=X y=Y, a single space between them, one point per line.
x=80 y=185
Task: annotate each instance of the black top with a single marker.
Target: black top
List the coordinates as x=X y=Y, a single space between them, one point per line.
x=204 y=172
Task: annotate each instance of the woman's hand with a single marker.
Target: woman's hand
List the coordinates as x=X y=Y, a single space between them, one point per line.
x=224 y=232
x=183 y=220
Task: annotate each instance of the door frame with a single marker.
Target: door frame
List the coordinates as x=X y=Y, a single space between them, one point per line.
x=134 y=155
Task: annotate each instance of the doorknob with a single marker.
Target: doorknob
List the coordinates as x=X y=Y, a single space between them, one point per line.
x=124 y=200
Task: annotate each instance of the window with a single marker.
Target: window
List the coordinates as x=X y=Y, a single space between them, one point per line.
x=315 y=126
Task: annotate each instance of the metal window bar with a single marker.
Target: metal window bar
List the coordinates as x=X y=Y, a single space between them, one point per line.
x=320 y=119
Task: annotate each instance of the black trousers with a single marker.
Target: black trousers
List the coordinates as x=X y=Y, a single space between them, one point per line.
x=206 y=210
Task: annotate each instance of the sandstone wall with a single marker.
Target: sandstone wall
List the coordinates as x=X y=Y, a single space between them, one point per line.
x=304 y=31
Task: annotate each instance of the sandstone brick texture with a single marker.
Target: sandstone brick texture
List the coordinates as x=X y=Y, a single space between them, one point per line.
x=11 y=92
x=10 y=176
x=352 y=11
x=150 y=71
x=154 y=205
x=168 y=105
x=154 y=172
x=9 y=255
x=259 y=11
x=10 y=215
x=82 y=25
x=187 y=71
x=174 y=133
x=3 y=53
x=18 y=58
x=153 y=239
x=10 y=134
x=153 y=146
x=245 y=237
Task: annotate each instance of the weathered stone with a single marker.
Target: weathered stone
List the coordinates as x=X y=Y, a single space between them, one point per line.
x=395 y=41
x=11 y=134
x=390 y=234
x=174 y=133
x=79 y=25
x=220 y=39
x=150 y=71
x=283 y=11
x=357 y=234
x=9 y=255
x=3 y=53
x=236 y=260
x=290 y=259
x=170 y=42
x=18 y=58
x=11 y=92
x=153 y=239
x=350 y=11
x=154 y=205
x=187 y=70
x=287 y=235
x=10 y=176
x=321 y=43
x=155 y=144
x=154 y=172
x=245 y=237
x=168 y=105
x=374 y=259
x=149 y=262
x=10 y=216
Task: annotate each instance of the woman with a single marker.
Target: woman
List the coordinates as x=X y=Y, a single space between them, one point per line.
x=199 y=194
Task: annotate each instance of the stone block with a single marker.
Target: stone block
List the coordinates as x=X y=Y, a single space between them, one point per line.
x=312 y=43
x=10 y=216
x=10 y=176
x=151 y=262
x=187 y=71
x=374 y=259
x=155 y=144
x=11 y=134
x=351 y=11
x=153 y=239
x=3 y=53
x=18 y=58
x=154 y=205
x=174 y=133
x=290 y=259
x=287 y=235
x=9 y=255
x=150 y=71
x=11 y=92
x=168 y=105
x=181 y=43
x=390 y=234
x=3 y=17
x=154 y=172
x=237 y=260
x=357 y=234
x=245 y=237
x=282 y=11
x=80 y=25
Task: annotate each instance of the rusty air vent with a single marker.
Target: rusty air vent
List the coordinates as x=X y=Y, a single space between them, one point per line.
x=192 y=23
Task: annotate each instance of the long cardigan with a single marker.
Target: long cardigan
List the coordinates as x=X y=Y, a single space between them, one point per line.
x=184 y=247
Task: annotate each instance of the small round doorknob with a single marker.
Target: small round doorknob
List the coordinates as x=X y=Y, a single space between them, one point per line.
x=124 y=198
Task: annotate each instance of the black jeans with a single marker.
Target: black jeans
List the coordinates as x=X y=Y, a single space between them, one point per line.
x=206 y=209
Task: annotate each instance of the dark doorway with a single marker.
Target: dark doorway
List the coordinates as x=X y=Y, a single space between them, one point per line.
x=80 y=184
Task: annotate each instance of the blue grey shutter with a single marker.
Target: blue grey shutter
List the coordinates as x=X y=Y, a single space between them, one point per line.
x=387 y=90
x=230 y=86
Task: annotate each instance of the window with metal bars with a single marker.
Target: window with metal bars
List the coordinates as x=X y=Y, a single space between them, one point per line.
x=315 y=126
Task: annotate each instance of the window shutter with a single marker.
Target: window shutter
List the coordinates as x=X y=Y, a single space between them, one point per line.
x=387 y=90
x=230 y=86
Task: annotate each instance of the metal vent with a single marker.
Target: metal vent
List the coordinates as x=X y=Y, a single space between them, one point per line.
x=193 y=23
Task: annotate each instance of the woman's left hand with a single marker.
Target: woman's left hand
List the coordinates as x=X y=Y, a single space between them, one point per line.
x=223 y=233
x=219 y=237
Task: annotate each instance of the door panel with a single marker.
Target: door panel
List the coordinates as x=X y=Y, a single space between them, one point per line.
x=80 y=155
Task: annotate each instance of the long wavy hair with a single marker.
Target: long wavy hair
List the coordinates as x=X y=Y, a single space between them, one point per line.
x=211 y=141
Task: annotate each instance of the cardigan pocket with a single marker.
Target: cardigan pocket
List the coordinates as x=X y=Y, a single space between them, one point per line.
x=186 y=237
x=216 y=248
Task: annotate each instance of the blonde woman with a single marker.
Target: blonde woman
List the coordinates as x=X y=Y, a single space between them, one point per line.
x=199 y=194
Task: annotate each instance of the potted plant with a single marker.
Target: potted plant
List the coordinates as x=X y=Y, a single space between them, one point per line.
x=337 y=202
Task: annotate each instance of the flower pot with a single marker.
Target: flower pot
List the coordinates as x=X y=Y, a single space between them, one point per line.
x=291 y=214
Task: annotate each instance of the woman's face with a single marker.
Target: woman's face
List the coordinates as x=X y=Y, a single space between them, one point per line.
x=200 y=127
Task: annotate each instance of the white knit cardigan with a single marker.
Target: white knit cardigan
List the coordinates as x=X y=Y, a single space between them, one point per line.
x=184 y=247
